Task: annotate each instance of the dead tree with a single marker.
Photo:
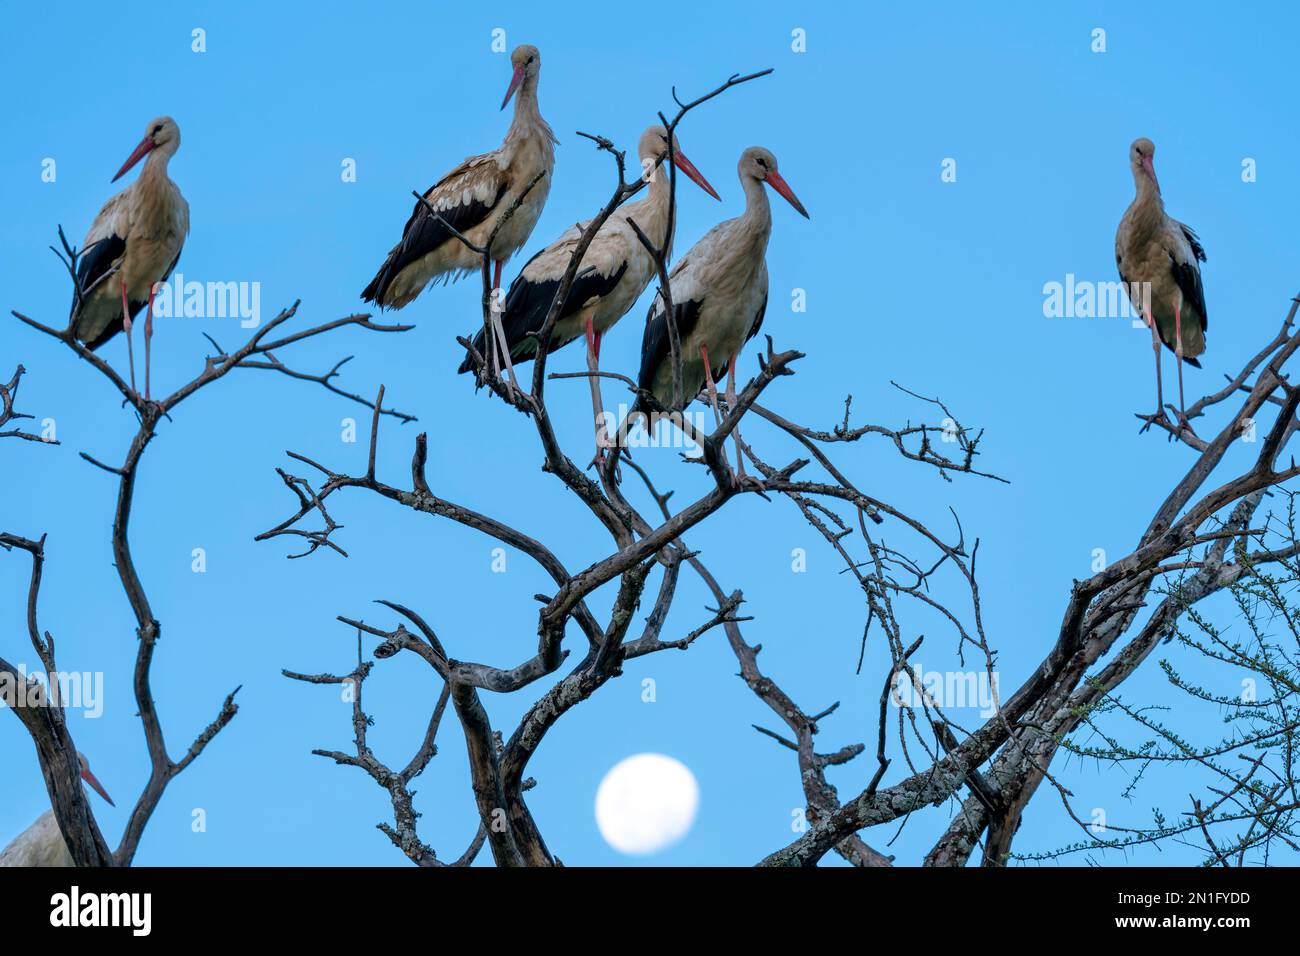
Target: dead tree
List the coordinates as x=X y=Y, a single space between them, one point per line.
x=1204 y=533
x=645 y=543
x=1207 y=535
x=46 y=722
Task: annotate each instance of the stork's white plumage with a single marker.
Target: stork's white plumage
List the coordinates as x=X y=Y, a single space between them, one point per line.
x=133 y=244
x=1158 y=257
x=472 y=198
x=719 y=292
x=42 y=843
x=613 y=273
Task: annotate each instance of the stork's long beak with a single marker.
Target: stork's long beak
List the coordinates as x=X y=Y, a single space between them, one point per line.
x=89 y=777
x=514 y=85
x=781 y=186
x=141 y=151
x=1150 y=167
x=686 y=166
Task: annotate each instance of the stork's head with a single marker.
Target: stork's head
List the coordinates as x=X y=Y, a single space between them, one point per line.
x=653 y=148
x=89 y=777
x=759 y=164
x=527 y=63
x=1141 y=157
x=161 y=134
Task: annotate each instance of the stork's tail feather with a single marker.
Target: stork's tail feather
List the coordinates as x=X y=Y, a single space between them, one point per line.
x=520 y=352
x=378 y=286
x=1192 y=362
x=94 y=328
x=480 y=344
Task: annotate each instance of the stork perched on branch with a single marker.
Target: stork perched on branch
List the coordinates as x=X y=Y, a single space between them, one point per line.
x=614 y=272
x=472 y=198
x=1157 y=258
x=42 y=843
x=133 y=244
x=719 y=293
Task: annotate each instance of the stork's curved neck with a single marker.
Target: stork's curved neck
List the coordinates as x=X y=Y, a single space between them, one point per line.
x=155 y=164
x=758 y=211
x=661 y=179
x=651 y=212
x=1148 y=192
x=527 y=121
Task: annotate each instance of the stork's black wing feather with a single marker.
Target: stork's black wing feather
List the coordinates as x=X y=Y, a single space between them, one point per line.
x=424 y=233
x=1188 y=277
x=93 y=266
x=526 y=305
x=95 y=262
x=656 y=346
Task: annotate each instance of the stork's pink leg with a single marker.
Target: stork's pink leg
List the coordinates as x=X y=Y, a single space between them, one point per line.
x=597 y=407
x=503 y=347
x=731 y=407
x=1160 y=397
x=148 y=337
x=126 y=327
x=1178 y=360
x=713 y=388
x=502 y=350
x=496 y=335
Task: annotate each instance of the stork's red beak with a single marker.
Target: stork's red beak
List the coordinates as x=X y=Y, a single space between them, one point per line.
x=774 y=180
x=89 y=777
x=686 y=166
x=141 y=151
x=514 y=85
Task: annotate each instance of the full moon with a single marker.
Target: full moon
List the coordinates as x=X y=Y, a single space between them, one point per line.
x=646 y=803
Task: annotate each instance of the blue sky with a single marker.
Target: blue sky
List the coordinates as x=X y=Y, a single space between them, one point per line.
x=938 y=286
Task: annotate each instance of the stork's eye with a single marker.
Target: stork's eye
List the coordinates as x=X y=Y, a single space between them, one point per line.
x=157 y=129
x=762 y=162
x=530 y=59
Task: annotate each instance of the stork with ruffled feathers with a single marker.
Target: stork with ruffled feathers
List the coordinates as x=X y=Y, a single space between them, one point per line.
x=615 y=270
x=472 y=199
x=1158 y=258
x=133 y=244
x=719 y=293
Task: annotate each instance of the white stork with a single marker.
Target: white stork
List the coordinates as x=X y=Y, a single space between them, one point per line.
x=719 y=291
x=133 y=244
x=472 y=198
x=1157 y=258
x=42 y=843
x=614 y=272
